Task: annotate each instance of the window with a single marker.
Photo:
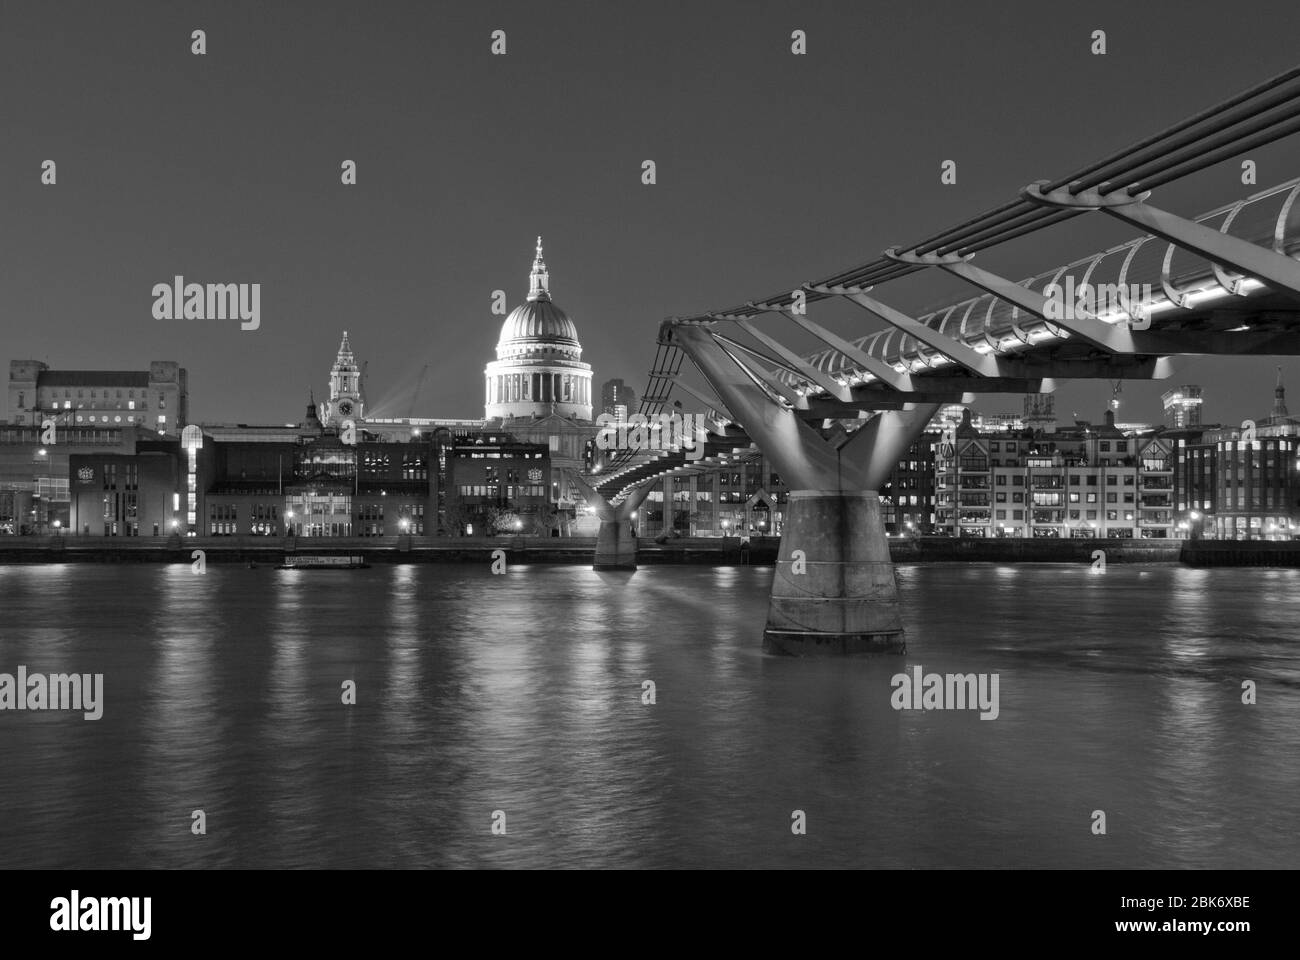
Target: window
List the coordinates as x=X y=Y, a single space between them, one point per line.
x=1017 y=514
x=1000 y=480
x=1105 y=446
x=1092 y=498
x=1001 y=514
x=1017 y=498
x=1121 y=446
x=1128 y=480
x=1074 y=498
x=1091 y=514
x=1112 y=498
x=1112 y=515
x=1017 y=481
x=1001 y=498
x=1074 y=514
x=1112 y=480
x=1092 y=480
x=1074 y=480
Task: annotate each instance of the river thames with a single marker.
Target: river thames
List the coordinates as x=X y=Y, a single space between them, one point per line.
x=523 y=693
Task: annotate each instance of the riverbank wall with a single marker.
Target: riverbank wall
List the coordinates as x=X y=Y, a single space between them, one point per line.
x=718 y=551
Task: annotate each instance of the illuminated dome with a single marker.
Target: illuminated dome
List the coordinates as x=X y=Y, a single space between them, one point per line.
x=537 y=324
x=539 y=368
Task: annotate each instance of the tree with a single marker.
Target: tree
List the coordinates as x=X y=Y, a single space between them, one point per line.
x=457 y=518
x=502 y=520
x=542 y=521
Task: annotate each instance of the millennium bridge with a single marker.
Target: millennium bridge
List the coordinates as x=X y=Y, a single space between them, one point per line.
x=835 y=422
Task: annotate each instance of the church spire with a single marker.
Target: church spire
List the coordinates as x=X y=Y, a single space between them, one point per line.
x=539 y=281
x=1279 y=397
x=345 y=350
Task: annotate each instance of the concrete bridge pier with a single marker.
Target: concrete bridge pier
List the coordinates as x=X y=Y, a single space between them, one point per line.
x=615 y=546
x=834 y=591
x=615 y=541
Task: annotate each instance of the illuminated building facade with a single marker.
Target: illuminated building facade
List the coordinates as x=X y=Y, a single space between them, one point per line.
x=1182 y=406
x=157 y=398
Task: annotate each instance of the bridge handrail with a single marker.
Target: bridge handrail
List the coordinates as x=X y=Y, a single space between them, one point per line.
x=1003 y=320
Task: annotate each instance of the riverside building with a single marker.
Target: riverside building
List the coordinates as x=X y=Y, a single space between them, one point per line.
x=1082 y=481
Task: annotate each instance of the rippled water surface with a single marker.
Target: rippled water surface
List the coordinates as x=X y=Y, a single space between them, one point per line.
x=523 y=693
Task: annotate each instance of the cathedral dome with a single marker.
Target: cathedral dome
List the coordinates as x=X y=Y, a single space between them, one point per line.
x=537 y=323
x=537 y=327
x=538 y=369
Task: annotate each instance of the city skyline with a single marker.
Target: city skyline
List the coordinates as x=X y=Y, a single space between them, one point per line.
x=445 y=204
x=600 y=436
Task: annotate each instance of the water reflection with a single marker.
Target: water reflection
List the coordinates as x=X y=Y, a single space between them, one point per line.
x=523 y=693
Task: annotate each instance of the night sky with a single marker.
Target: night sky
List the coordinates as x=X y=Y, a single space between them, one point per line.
x=772 y=169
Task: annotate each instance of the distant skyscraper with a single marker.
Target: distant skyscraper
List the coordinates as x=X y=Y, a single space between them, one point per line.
x=615 y=394
x=1182 y=406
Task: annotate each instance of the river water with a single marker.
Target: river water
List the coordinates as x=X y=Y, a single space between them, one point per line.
x=1118 y=691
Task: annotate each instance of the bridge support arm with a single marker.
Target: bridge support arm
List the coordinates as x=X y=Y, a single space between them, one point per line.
x=801 y=455
x=959 y=353
x=1264 y=264
x=615 y=541
x=1115 y=339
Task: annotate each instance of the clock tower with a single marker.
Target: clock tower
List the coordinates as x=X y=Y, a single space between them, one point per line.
x=347 y=399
